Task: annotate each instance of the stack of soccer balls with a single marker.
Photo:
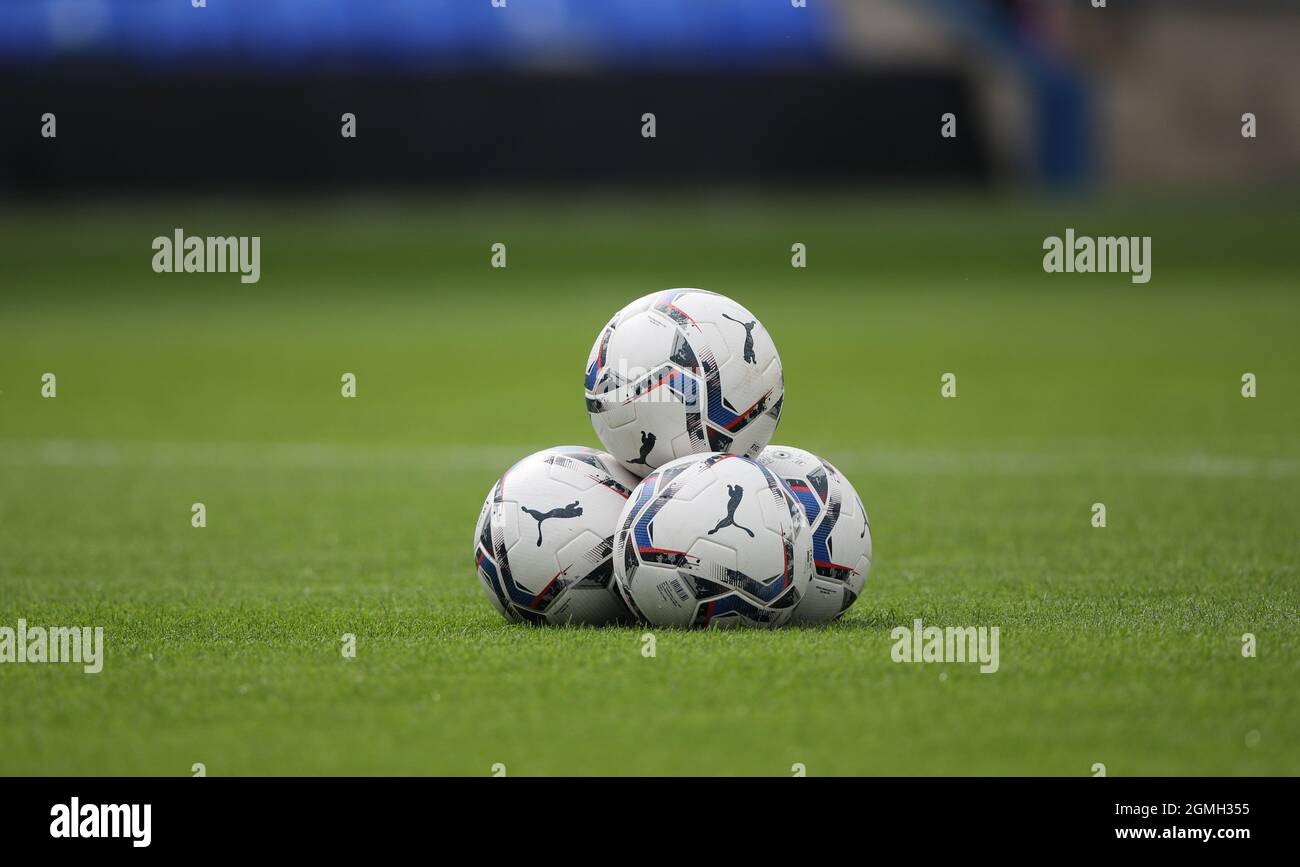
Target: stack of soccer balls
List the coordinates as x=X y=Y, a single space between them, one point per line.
x=684 y=388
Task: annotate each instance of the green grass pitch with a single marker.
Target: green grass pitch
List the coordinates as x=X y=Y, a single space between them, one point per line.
x=327 y=515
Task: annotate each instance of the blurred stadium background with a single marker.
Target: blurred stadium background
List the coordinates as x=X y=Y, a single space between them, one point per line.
x=247 y=94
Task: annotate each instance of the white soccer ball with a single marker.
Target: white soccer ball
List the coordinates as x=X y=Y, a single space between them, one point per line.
x=841 y=531
x=682 y=372
x=544 y=536
x=713 y=540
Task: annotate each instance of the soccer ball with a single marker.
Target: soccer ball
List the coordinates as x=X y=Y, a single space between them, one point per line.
x=713 y=540
x=544 y=536
x=683 y=372
x=841 y=531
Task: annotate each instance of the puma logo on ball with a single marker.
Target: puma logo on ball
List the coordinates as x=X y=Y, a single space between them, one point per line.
x=734 y=495
x=749 y=337
x=647 y=446
x=572 y=510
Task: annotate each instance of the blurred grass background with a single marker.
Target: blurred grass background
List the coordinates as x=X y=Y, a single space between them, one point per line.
x=328 y=516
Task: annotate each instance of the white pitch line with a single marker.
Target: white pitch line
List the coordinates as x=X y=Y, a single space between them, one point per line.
x=270 y=456
x=984 y=463
x=333 y=456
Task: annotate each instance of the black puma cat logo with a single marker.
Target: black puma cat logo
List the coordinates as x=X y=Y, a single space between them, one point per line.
x=647 y=446
x=734 y=495
x=749 y=337
x=572 y=510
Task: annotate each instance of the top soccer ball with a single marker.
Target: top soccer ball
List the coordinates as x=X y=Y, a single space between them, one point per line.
x=683 y=372
x=544 y=536
x=841 y=532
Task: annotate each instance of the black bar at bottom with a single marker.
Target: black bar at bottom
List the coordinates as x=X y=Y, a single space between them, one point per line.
x=574 y=816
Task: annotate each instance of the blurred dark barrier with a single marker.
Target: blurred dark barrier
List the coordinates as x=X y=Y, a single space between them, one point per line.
x=126 y=131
